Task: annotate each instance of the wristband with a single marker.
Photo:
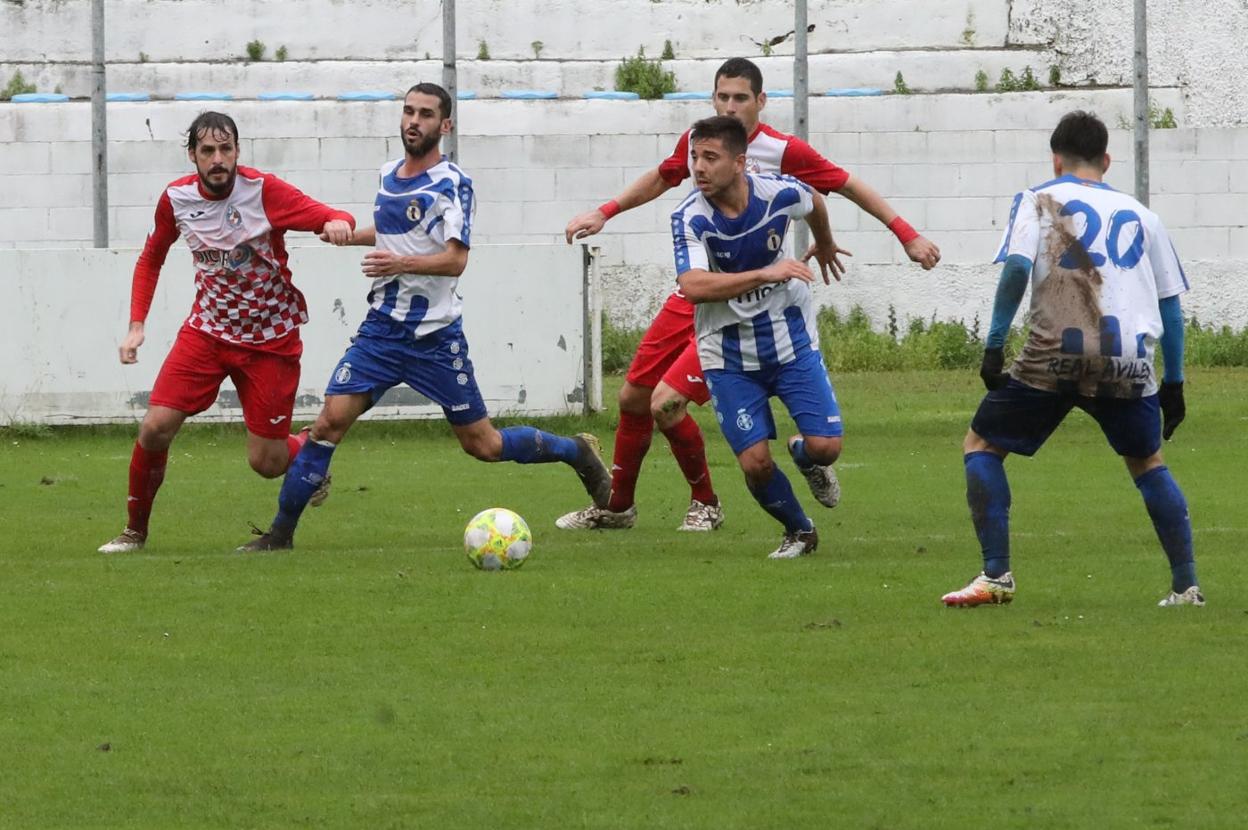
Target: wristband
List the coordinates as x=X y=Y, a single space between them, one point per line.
x=902 y=230
x=609 y=209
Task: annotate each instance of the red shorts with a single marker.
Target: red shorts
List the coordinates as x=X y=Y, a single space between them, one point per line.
x=266 y=379
x=668 y=352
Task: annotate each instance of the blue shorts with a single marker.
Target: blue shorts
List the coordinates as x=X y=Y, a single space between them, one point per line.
x=436 y=366
x=1020 y=418
x=742 y=400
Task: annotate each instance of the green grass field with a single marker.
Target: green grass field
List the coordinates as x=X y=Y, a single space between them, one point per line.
x=639 y=679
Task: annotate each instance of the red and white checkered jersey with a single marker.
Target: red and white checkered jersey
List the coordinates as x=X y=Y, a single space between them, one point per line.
x=769 y=151
x=243 y=288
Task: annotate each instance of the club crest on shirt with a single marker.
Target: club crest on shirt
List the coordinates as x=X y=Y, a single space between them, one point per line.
x=415 y=211
x=343 y=374
x=232 y=217
x=238 y=257
x=773 y=240
x=744 y=422
x=752 y=165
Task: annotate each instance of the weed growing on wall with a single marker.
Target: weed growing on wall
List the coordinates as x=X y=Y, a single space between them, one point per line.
x=17 y=86
x=647 y=78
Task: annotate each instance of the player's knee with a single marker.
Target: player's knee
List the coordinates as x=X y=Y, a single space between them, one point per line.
x=758 y=469
x=667 y=408
x=823 y=449
x=974 y=442
x=269 y=465
x=155 y=435
x=635 y=400
x=328 y=428
x=483 y=447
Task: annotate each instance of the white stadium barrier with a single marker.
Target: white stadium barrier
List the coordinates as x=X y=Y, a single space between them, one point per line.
x=527 y=316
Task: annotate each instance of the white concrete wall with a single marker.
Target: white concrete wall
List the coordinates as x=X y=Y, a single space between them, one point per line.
x=1199 y=44
x=208 y=30
x=62 y=364
x=923 y=71
x=949 y=163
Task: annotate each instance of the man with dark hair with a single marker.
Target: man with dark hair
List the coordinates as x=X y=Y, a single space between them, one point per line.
x=755 y=321
x=245 y=321
x=1105 y=286
x=665 y=375
x=413 y=332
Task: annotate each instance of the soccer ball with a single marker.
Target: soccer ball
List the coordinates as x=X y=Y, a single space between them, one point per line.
x=497 y=539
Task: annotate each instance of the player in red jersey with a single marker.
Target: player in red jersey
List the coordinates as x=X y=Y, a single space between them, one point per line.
x=245 y=321
x=665 y=374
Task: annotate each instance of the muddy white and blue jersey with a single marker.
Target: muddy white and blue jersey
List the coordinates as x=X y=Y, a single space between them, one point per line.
x=765 y=326
x=413 y=332
x=1101 y=262
x=762 y=343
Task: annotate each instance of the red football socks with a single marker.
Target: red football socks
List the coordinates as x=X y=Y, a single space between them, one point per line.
x=632 y=441
x=294 y=443
x=147 y=471
x=690 y=452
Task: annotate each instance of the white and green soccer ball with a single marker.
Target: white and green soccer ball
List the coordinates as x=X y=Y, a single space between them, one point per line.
x=497 y=539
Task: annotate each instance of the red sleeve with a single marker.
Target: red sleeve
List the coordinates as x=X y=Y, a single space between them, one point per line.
x=290 y=209
x=147 y=270
x=675 y=168
x=803 y=162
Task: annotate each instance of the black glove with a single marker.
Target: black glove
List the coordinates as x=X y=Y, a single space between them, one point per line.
x=1173 y=409
x=990 y=369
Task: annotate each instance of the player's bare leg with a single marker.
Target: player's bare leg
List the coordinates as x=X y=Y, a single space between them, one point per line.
x=670 y=410
x=814 y=456
x=309 y=472
x=147 y=470
x=527 y=445
x=771 y=488
x=632 y=442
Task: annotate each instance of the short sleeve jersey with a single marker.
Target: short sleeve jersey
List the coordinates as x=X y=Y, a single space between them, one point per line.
x=1101 y=262
x=770 y=151
x=768 y=325
x=420 y=216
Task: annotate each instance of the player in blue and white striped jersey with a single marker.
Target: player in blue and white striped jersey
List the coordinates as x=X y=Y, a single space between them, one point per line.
x=755 y=322
x=413 y=333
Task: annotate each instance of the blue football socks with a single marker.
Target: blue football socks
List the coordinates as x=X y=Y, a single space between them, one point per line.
x=527 y=445
x=1168 y=509
x=988 y=495
x=776 y=497
x=306 y=473
x=798 y=452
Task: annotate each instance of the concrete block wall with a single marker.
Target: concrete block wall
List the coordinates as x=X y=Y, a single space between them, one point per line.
x=201 y=31
x=949 y=163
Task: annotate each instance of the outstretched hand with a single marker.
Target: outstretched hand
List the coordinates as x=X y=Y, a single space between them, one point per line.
x=828 y=261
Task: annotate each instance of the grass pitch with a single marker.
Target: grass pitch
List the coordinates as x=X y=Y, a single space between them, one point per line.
x=628 y=679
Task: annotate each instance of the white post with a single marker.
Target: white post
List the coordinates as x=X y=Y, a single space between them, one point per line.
x=801 y=107
x=450 y=144
x=1141 y=101
x=99 y=128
